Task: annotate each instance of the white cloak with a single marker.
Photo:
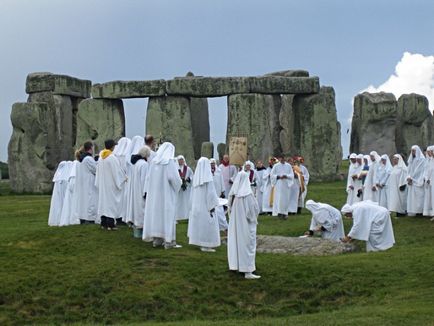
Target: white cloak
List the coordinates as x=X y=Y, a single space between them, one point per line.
x=355 y=169
x=219 y=210
x=136 y=192
x=85 y=191
x=267 y=189
x=281 y=203
x=70 y=202
x=228 y=172
x=397 y=199
x=294 y=196
x=60 y=180
x=330 y=219
x=428 y=188
x=415 y=193
x=370 y=182
x=260 y=188
x=184 y=198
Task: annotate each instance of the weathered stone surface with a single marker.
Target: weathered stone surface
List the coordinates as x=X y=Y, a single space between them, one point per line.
x=289 y=73
x=415 y=125
x=311 y=246
x=58 y=84
x=207 y=86
x=284 y=85
x=317 y=133
x=199 y=123
x=207 y=150
x=286 y=119
x=28 y=148
x=255 y=116
x=168 y=118
x=374 y=122
x=221 y=150
x=99 y=120
x=129 y=89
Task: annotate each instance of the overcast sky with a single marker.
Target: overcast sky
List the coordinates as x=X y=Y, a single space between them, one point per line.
x=350 y=45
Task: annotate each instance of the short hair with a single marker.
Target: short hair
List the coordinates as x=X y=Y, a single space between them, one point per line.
x=87 y=146
x=149 y=139
x=144 y=152
x=109 y=143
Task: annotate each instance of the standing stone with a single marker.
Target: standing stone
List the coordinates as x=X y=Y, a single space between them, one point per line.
x=414 y=123
x=256 y=117
x=373 y=126
x=168 y=118
x=99 y=120
x=286 y=119
x=207 y=150
x=317 y=133
x=28 y=148
x=221 y=150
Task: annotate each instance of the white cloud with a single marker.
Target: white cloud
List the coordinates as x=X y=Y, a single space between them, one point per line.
x=414 y=73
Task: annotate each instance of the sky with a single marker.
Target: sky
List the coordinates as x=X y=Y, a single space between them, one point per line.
x=350 y=45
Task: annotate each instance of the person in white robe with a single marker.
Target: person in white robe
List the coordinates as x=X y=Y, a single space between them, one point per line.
x=203 y=225
x=260 y=171
x=381 y=179
x=396 y=187
x=415 y=181
x=136 y=191
x=371 y=223
x=326 y=220
x=110 y=180
x=306 y=177
x=85 y=190
x=429 y=178
x=268 y=189
x=220 y=192
x=121 y=151
x=242 y=227
x=228 y=171
x=60 y=181
x=162 y=186
x=370 y=191
x=67 y=217
x=354 y=184
x=282 y=178
x=294 y=190
x=184 y=194
x=249 y=167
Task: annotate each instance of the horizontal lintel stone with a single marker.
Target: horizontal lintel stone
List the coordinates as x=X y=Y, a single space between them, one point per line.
x=58 y=84
x=129 y=89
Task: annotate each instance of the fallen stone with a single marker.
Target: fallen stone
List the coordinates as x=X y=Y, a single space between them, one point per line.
x=311 y=246
x=99 y=120
x=58 y=84
x=129 y=89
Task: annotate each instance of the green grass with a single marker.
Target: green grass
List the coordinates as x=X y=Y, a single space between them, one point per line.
x=83 y=275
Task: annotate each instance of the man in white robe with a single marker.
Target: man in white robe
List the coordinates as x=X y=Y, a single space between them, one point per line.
x=203 y=225
x=268 y=189
x=229 y=172
x=110 y=180
x=220 y=192
x=260 y=171
x=162 y=187
x=184 y=194
x=242 y=227
x=382 y=176
x=136 y=191
x=282 y=178
x=306 y=177
x=326 y=220
x=294 y=189
x=371 y=223
x=396 y=187
x=60 y=181
x=429 y=178
x=354 y=184
x=370 y=191
x=121 y=151
x=415 y=181
x=85 y=190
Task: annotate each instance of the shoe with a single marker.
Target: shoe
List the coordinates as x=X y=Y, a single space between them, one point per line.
x=251 y=276
x=205 y=249
x=172 y=246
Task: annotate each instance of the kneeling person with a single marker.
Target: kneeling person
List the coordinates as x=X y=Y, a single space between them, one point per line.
x=325 y=219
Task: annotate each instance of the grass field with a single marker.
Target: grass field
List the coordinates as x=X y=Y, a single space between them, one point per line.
x=83 y=275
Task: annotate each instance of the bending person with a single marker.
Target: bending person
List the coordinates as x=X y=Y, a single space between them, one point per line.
x=325 y=219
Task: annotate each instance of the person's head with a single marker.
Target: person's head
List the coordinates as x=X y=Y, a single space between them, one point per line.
x=347 y=210
x=413 y=152
x=383 y=161
x=280 y=158
x=150 y=141
x=301 y=159
x=395 y=160
x=213 y=163
x=290 y=160
x=109 y=144
x=247 y=166
x=259 y=164
x=144 y=152
x=271 y=161
x=359 y=159
x=88 y=147
x=353 y=158
x=225 y=158
x=181 y=160
x=77 y=153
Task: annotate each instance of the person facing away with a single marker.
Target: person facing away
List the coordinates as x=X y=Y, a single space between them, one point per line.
x=228 y=171
x=242 y=227
x=136 y=187
x=396 y=187
x=203 y=224
x=306 y=176
x=86 y=192
x=415 y=181
x=428 y=202
x=60 y=181
x=110 y=180
x=325 y=219
x=184 y=194
x=67 y=216
x=162 y=186
x=121 y=151
x=371 y=223
x=282 y=178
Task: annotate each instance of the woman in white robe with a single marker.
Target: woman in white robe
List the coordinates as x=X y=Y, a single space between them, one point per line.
x=325 y=219
x=121 y=152
x=184 y=194
x=162 y=186
x=136 y=192
x=429 y=178
x=220 y=192
x=353 y=181
x=415 y=181
x=67 y=217
x=60 y=180
x=282 y=178
x=396 y=186
x=382 y=176
x=260 y=171
x=267 y=190
x=370 y=191
x=203 y=225
x=242 y=227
